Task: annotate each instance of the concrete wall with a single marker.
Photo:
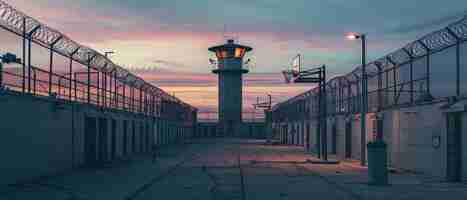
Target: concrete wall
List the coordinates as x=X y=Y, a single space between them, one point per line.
x=409 y=134
x=341 y=137
x=313 y=136
x=35 y=139
x=298 y=138
x=412 y=145
x=43 y=136
x=255 y=130
x=330 y=123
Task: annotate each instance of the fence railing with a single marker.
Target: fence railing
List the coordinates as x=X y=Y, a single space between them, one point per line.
x=213 y=117
x=432 y=68
x=54 y=65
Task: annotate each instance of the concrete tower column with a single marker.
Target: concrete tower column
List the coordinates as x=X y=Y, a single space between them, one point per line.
x=230 y=71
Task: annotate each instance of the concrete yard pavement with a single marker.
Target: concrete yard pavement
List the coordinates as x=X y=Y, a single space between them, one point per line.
x=231 y=169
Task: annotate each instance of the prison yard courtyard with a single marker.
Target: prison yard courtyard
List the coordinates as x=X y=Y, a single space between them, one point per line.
x=230 y=169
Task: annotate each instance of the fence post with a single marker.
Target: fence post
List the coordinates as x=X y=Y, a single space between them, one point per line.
x=428 y=86
x=34 y=81
x=458 y=67
x=411 y=81
x=51 y=71
x=115 y=89
x=105 y=89
x=75 y=85
x=24 y=56
x=89 y=80
x=98 y=88
x=1 y=74
x=70 y=72
x=124 y=97
x=29 y=64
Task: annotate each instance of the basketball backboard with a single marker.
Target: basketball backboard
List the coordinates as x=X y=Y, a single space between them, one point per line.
x=293 y=70
x=296 y=65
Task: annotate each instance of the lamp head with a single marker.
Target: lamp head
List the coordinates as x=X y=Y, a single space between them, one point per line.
x=108 y=53
x=353 y=36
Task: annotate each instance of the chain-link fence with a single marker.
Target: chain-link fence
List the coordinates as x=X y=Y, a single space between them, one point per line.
x=54 y=65
x=430 y=69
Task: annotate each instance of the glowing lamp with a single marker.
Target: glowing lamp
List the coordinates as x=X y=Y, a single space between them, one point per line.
x=230 y=50
x=353 y=36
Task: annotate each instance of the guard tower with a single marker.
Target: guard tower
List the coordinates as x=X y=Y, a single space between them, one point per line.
x=230 y=70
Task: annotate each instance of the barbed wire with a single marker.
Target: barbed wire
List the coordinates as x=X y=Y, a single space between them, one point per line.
x=30 y=28
x=433 y=42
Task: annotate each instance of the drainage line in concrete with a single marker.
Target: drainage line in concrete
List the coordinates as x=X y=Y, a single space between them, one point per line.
x=156 y=179
x=242 y=181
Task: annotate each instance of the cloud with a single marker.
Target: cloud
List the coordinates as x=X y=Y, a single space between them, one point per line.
x=177 y=33
x=171 y=64
x=429 y=24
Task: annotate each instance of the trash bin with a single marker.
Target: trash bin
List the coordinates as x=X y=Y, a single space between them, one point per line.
x=377 y=163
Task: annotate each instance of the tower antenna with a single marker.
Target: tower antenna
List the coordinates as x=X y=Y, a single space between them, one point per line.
x=224 y=33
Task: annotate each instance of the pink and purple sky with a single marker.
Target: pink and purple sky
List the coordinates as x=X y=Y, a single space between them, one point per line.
x=170 y=38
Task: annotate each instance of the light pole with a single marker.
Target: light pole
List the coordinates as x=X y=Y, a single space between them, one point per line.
x=364 y=100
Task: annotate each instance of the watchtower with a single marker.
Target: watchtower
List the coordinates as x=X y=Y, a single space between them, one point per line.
x=230 y=71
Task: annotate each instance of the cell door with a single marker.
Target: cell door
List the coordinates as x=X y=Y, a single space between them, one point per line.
x=454 y=155
x=148 y=138
x=318 y=140
x=125 y=137
x=334 y=138
x=133 y=137
x=141 y=138
x=294 y=134
x=103 y=140
x=303 y=134
x=113 y=147
x=307 y=136
x=348 y=139
x=90 y=141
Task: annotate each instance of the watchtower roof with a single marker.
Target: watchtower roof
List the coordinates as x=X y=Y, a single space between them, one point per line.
x=229 y=45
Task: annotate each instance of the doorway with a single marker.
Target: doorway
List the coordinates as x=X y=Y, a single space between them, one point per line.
x=90 y=141
x=113 y=150
x=454 y=147
x=125 y=137
x=334 y=138
x=103 y=140
x=141 y=137
x=348 y=139
x=149 y=142
x=307 y=137
x=133 y=137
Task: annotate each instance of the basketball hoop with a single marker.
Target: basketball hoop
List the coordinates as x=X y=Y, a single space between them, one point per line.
x=293 y=70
